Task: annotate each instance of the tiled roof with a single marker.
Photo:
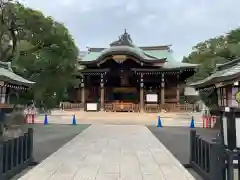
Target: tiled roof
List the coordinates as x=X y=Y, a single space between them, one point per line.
x=154 y=54
x=225 y=71
x=7 y=75
x=125 y=44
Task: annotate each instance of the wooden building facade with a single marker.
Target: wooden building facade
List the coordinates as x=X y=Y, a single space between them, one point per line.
x=125 y=77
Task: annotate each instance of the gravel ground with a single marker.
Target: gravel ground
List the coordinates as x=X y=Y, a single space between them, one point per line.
x=176 y=139
x=48 y=139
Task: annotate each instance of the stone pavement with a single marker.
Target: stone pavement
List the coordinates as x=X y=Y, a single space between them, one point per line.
x=109 y=152
x=168 y=119
x=124 y=115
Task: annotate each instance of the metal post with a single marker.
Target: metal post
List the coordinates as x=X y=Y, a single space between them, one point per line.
x=192 y=146
x=30 y=143
x=1 y=159
x=230 y=165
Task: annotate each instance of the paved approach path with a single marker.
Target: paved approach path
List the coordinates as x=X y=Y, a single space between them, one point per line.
x=111 y=152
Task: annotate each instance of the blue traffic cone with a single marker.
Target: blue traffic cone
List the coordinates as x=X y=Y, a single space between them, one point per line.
x=45 y=120
x=159 y=124
x=192 y=123
x=74 y=120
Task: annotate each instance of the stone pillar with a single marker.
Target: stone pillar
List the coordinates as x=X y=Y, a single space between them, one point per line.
x=162 y=89
x=102 y=94
x=141 y=94
x=178 y=96
x=83 y=91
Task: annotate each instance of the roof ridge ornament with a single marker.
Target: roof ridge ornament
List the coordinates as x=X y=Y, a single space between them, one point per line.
x=123 y=40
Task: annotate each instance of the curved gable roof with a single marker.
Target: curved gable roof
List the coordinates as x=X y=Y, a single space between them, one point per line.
x=125 y=46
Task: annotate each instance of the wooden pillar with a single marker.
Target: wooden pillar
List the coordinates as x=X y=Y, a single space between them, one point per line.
x=102 y=94
x=141 y=94
x=178 y=96
x=83 y=91
x=162 y=89
x=3 y=90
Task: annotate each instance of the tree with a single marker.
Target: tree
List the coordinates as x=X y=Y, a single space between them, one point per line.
x=45 y=52
x=8 y=30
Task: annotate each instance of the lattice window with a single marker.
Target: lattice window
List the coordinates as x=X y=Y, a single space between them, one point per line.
x=222 y=97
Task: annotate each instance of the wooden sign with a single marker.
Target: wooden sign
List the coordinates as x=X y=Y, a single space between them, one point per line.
x=152 y=97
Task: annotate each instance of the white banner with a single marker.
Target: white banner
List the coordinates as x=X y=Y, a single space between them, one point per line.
x=91 y=106
x=152 y=98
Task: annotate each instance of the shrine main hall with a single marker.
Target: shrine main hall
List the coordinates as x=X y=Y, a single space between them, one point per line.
x=128 y=78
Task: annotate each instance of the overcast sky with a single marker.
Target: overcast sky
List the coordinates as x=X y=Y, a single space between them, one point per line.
x=182 y=23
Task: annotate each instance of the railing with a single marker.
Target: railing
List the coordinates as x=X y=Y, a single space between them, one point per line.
x=108 y=107
x=68 y=105
x=168 y=107
x=173 y=107
x=200 y=155
x=121 y=106
x=152 y=108
x=211 y=160
x=135 y=107
x=15 y=154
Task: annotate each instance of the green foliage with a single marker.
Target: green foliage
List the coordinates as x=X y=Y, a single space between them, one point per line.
x=209 y=54
x=8 y=29
x=45 y=53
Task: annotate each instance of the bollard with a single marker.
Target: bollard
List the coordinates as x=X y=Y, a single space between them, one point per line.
x=159 y=123
x=192 y=124
x=45 y=120
x=74 y=120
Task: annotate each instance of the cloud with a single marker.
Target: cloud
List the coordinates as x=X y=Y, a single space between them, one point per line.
x=148 y=20
x=132 y=7
x=182 y=23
